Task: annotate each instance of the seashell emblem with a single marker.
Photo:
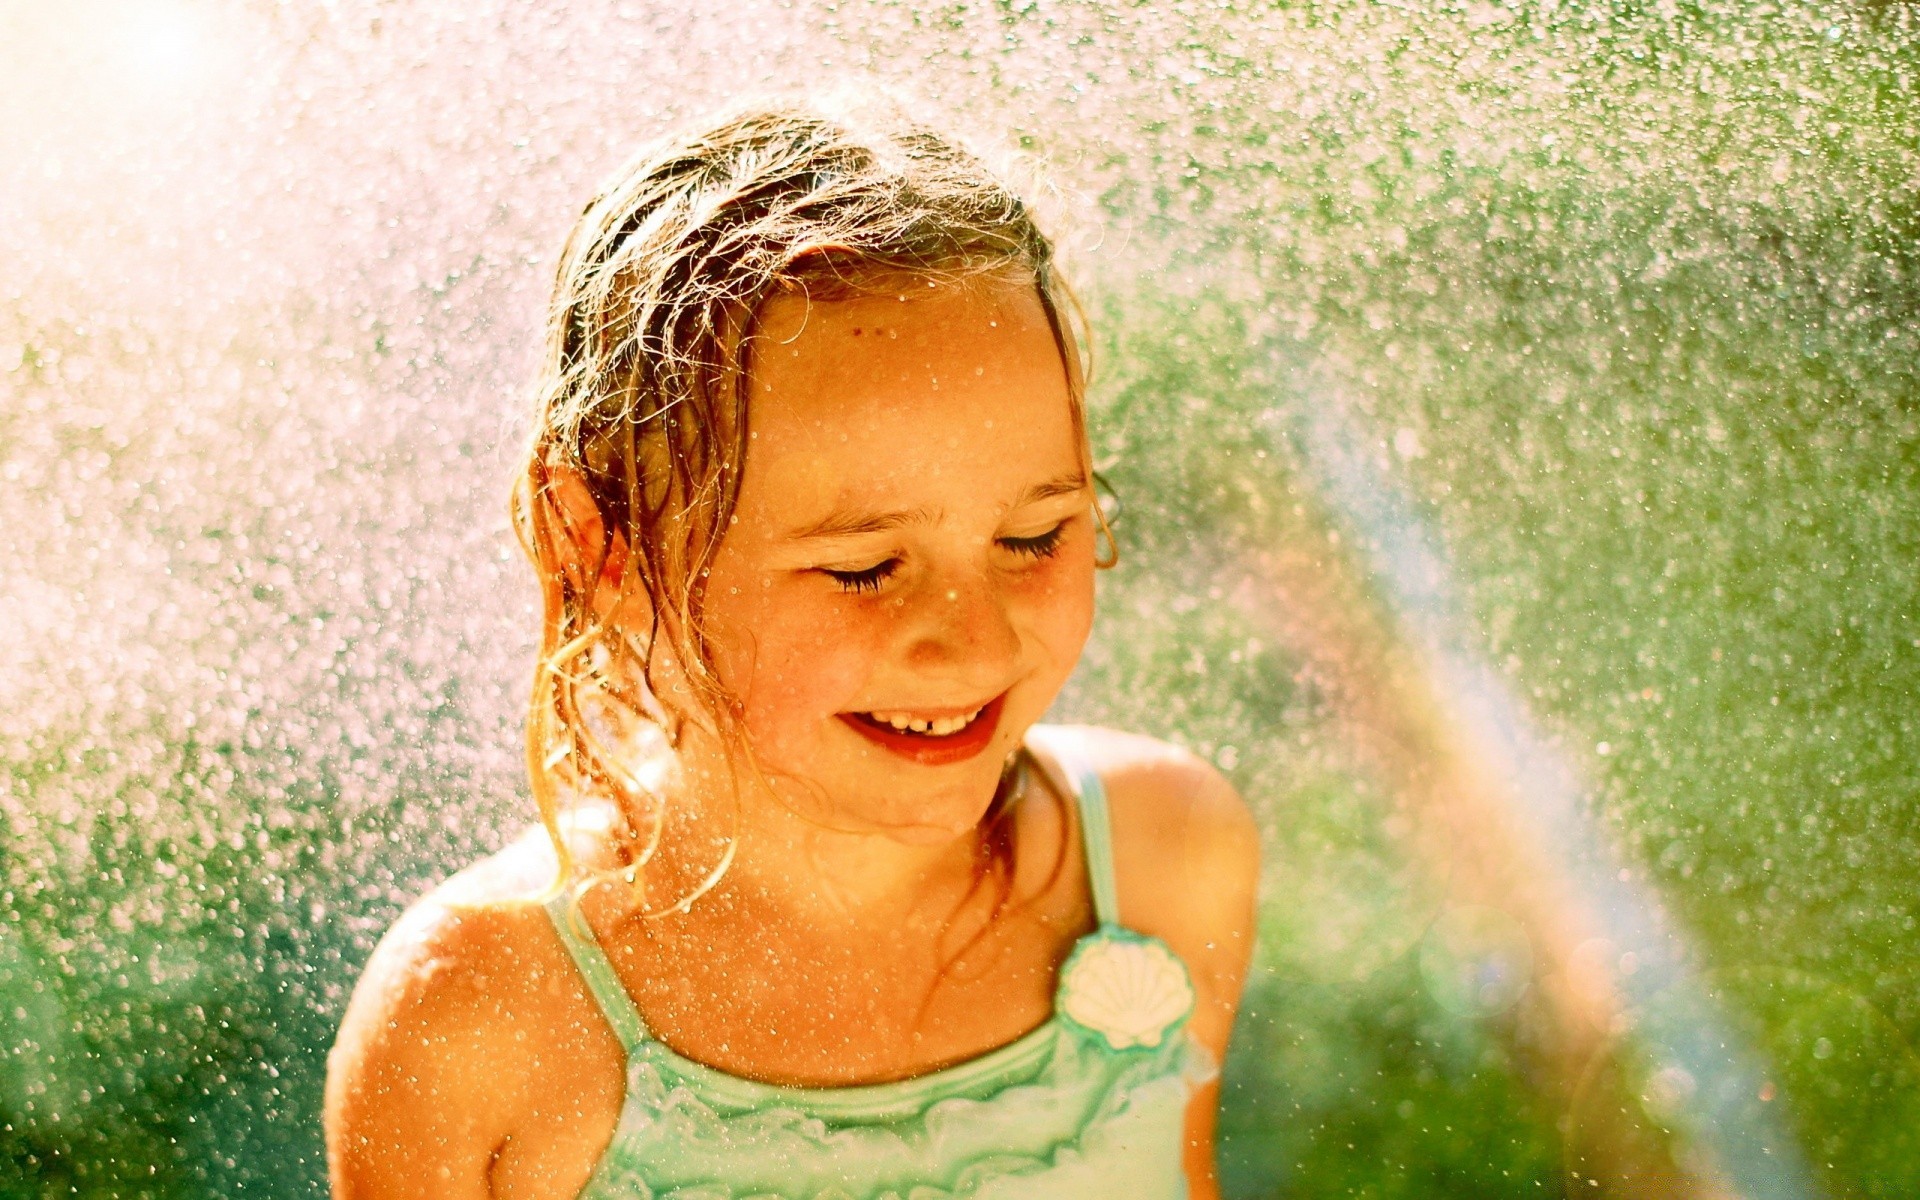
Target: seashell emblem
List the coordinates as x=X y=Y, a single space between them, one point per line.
x=1128 y=989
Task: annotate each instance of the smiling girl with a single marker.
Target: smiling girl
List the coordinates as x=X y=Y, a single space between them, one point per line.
x=819 y=909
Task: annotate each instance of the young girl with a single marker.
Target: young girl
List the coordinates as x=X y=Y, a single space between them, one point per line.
x=812 y=511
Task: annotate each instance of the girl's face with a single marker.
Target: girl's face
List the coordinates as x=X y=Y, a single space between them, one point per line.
x=909 y=578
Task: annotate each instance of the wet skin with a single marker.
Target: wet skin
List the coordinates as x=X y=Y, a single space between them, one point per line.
x=915 y=485
x=914 y=545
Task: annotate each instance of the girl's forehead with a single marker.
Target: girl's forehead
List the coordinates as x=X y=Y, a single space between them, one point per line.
x=927 y=314
x=955 y=395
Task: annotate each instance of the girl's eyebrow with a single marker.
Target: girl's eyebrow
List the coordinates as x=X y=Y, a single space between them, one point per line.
x=1064 y=485
x=848 y=524
x=851 y=524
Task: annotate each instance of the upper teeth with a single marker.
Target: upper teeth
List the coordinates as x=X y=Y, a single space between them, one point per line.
x=937 y=726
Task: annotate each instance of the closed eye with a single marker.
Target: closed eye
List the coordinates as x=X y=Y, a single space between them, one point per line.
x=1040 y=545
x=867 y=579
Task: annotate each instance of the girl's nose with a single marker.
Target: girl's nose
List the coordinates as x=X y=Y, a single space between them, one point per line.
x=963 y=624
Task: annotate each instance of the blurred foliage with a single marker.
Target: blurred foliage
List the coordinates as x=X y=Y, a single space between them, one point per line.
x=1628 y=294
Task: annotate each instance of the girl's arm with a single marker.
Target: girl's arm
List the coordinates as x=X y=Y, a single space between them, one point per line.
x=1187 y=861
x=1221 y=869
x=410 y=1077
x=471 y=1063
x=1203 y=1112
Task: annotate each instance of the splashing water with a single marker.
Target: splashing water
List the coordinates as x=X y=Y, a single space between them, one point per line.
x=1569 y=664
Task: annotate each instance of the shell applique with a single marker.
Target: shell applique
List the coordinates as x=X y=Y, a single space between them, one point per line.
x=1128 y=989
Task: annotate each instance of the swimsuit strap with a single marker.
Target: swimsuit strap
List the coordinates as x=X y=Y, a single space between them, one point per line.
x=1096 y=831
x=603 y=982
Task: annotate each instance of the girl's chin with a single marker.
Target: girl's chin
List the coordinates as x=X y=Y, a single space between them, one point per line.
x=857 y=797
x=919 y=817
x=889 y=795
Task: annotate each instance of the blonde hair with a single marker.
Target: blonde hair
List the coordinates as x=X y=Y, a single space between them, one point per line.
x=643 y=387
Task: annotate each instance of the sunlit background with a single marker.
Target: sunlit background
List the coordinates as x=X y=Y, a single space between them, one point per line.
x=1516 y=416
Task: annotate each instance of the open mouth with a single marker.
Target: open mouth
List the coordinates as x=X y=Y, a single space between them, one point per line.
x=931 y=736
x=902 y=722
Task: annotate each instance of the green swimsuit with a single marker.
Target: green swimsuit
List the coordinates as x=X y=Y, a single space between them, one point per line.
x=1089 y=1106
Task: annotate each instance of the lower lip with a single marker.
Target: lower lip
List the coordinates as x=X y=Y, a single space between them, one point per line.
x=934 y=751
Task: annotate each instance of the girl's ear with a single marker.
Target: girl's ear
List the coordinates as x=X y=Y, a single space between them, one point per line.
x=593 y=564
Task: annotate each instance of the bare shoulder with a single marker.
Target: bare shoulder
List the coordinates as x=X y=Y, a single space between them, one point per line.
x=1171 y=797
x=1186 y=856
x=443 y=952
x=465 y=1009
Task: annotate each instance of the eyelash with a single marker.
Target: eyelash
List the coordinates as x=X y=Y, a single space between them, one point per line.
x=1043 y=545
x=868 y=580
x=1039 y=546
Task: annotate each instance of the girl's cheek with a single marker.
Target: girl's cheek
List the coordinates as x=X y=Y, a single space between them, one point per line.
x=781 y=666
x=1067 y=620
x=1058 y=594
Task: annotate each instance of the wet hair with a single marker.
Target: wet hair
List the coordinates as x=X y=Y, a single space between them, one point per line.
x=643 y=391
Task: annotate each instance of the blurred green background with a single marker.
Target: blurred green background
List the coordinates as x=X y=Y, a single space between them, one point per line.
x=1624 y=298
